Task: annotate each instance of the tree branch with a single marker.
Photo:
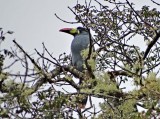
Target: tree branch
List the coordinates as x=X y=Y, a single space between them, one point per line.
x=155 y=39
x=155 y=2
x=32 y=60
x=65 y=20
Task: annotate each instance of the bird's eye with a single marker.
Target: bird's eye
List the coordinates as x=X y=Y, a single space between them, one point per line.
x=81 y=29
x=78 y=31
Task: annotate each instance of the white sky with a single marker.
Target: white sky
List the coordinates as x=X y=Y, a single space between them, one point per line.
x=34 y=22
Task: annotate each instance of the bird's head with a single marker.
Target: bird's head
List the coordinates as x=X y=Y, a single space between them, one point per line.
x=73 y=31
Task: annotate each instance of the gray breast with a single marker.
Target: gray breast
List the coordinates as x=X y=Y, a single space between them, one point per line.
x=79 y=43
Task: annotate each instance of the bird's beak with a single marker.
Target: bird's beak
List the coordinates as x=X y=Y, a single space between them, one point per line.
x=71 y=31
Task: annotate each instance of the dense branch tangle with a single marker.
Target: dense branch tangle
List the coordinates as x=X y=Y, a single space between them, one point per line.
x=116 y=30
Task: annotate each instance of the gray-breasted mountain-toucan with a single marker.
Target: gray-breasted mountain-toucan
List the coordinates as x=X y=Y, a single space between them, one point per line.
x=80 y=42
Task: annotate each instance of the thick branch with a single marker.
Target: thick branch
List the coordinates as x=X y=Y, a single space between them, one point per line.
x=114 y=74
x=91 y=48
x=56 y=72
x=155 y=39
x=155 y=2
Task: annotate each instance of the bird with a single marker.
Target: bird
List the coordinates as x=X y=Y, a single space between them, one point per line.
x=80 y=42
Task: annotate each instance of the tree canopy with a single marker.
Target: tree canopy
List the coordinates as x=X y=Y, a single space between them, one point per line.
x=33 y=91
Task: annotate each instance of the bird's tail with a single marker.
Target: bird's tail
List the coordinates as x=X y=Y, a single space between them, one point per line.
x=82 y=102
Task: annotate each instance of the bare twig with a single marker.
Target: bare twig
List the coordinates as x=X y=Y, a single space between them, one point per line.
x=32 y=60
x=65 y=20
x=46 y=58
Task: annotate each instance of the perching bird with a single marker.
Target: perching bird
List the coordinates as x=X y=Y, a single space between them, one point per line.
x=80 y=42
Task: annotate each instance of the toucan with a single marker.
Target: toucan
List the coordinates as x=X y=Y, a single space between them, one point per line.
x=80 y=42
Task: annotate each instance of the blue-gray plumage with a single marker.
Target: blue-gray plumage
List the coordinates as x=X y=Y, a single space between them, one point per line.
x=79 y=43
